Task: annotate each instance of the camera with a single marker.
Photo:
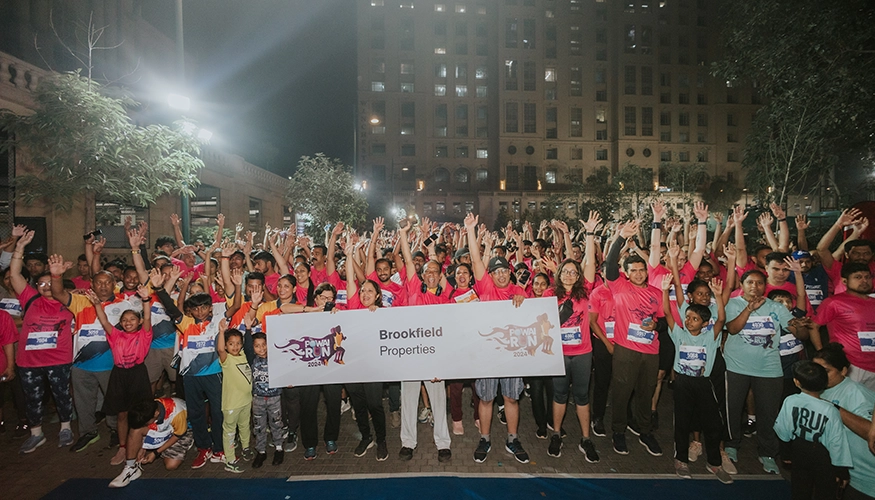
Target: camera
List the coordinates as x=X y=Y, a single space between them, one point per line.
x=95 y=233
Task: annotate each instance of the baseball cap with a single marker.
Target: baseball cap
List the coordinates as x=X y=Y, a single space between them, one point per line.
x=496 y=263
x=799 y=254
x=461 y=253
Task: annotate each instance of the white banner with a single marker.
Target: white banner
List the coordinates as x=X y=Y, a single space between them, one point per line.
x=448 y=341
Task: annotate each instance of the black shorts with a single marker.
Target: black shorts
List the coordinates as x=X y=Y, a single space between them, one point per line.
x=127 y=386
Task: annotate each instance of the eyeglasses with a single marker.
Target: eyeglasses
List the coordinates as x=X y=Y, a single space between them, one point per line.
x=569 y=273
x=329 y=298
x=501 y=270
x=43 y=284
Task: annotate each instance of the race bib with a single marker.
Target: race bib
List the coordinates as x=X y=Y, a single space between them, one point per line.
x=815 y=295
x=609 y=329
x=867 y=341
x=790 y=344
x=155 y=439
x=12 y=306
x=89 y=334
x=388 y=298
x=571 y=336
x=340 y=298
x=758 y=331
x=38 y=341
x=640 y=335
x=672 y=295
x=205 y=343
x=692 y=360
x=469 y=296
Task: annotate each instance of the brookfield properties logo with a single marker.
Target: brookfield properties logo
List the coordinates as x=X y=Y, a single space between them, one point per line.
x=524 y=339
x=317 y=351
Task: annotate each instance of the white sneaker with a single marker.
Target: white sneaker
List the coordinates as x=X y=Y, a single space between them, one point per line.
x=726 y=464
x=345 y=406
x=130 y=473
x=695 y=451
x=424 y=415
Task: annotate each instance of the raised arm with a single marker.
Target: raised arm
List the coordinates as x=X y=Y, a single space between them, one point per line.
x=373 y=248
x=612 y=261
x=717 y=289
x=667 y=308
x=96 y=252
x=237 y=279
x=801 y=296
x=351 y=288
x=847 y=218
x=729 y=250
x=98 y=309
x=801 y=225
x=783 y=227
x=765 y=222
x=474 y=247
x=135 y=239
x=146 y=298
x=403 y=228
x=658 y=209
x=18 y=281
x=740 y=246
x=589 y=259
x=177 y=231
x=220 y=341
x=58 y=267
x=701 y=212
x=330 y=265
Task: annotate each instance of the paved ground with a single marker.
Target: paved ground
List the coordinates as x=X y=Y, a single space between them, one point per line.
x=33 y=475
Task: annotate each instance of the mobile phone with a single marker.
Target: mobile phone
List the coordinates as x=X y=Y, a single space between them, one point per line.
x=95 y=233
x=524 y=277
x=433 y=237
x=329 y=306
x=403 y=223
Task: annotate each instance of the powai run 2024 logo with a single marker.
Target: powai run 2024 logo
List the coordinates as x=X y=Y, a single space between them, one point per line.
x=524 y=340
x=317 y=351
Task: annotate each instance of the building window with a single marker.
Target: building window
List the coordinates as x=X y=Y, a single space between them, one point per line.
x=684 y=156
x=601 y=135
x=684 y=136
x=601 y=54
x=462 y=176
x=510 y=75
x=439 y=7
x=480 y=73
x=461 y=151
x=684 y=119
x=460 y=8
x=665 y=156
x=440 y=152
x=683 y=98
x=530 y=117
x=529 y=34
x=461 y=91
x=512 y=177
x=576 y=85
x=665 y=135
x=408 y=150
x=481 y=91
x=600 y=75
x=576 y=126
x=601 y=95
x=482 y=175
x=731 y=137
x=550 y=75
x=407 y=87
x=482 y=153
x=440 y=50
x=378 y=149
x=732 y=156
x=647 y=121
x=731 y=120
x=630 y=115
x=529 y=76
x=600 y=116
x=510 y=33
x=440 y=90
x=629 y=80
x=511 y=117
x=702 y=156
x=441 y=175
x=665 y=98
x=550 y=176
x=378 y=65
x=646 y=80
x=702 y=120
x=440 y=70
x=552 y=154
x=665 y=118
x=407 y=68
x=601 y=154
x=629 y=38
x=378 y=86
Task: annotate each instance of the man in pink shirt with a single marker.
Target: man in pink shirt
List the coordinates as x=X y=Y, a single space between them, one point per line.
x=850 y=318
x=637 y=306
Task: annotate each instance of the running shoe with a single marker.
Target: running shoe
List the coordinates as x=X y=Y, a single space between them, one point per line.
x=482 y=450
x=555 y=448
x=682 y=470
x=516 y=448
x=85 y=441
x=589 y=452
x=32 y=443
x=130 y=473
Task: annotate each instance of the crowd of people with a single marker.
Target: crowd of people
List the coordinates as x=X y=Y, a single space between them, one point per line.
x=756 y=334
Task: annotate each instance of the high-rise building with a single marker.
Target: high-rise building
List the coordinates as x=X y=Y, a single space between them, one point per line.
x=474 y=105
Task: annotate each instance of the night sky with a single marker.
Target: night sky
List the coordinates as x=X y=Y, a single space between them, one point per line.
x=276 y=78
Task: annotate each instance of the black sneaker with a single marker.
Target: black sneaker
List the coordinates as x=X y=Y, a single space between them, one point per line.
x=444 y=455
x=291 y=443
x=501 y=417
x=654 y=420
x=382 y=452
x=562 y=432
x=482 y=450
x=278 y=456
x=619 y=440
x=363 y=446
x=259 y=460
x=588 y=449
x=99 y=417
x=541 y=433
x=113 y=439
x=84 y=441
x=516 y=448
x=649 y=442
x=750 y=428
x=598 y=427
x=405 y=453
x=555 y=448
x=633 y=429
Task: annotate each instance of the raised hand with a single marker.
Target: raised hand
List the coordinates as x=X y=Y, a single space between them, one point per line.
x=630 y=229
x=143 y=292
x=135 y=239
x=739 y=215
x=220 y=220
x=848 y=216
x=471 y=221
x=700 y=210
x=793 y=264
x=778 y=211
x=765 y=220
x=57 y=266
x=379 y=224
x=730 y=251
x=718 y=216
x=592 y=222
x=156 y=278
x=18 y=230
x=237 y=277
x=175 y=220
x=91 y=296
x=175 y=273
x=756 y=303
x=666 y=281
x=659 y=210
x=802 y=222
x=561 y=226
x=716 y=286
x=674 y=250
x=860 y=225
x=25 y=240
x=337 y=229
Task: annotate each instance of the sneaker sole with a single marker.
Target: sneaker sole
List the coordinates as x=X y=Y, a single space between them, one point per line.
x=729 y=481
x=89 y=443
x=382 y=459
x=371 y=445
x=599 y=434
x=35 y=447
x=586 y=457
x=655 y=454
x=682 y=476
x=619 y=452
x=633 y=431
x=309 y=459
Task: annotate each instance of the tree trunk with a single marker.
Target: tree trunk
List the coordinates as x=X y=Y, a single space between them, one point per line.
x=90 y=212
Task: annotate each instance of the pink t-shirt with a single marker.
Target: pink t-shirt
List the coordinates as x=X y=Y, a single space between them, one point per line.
x=81 y=282
x=129 y=349
x=601 y=301
x=417 y=297
x=8 y=335
x=46 y=337
x=487 y=291
x=575 y=334
x=271 y=281
x=300 y=293
x=392 y=292
x=632 y=305
x=851 y=323
x=834 y=273
x=318 y=276
x=687 y=274
x=340 y=298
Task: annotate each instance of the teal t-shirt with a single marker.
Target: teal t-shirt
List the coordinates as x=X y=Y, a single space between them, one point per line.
x=694 y=354
x=860 y=401
x=755 y=350
x=817 y=421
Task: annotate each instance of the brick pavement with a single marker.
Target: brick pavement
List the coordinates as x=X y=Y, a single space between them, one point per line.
x=33 y=475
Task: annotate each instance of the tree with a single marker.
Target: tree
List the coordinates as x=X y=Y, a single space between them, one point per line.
x=721 y=195
x=636 y=186
x=324 y=189
x=683 y=177
x=601 y=194
x=82 y=141
x=812 y=62
x=501 y=219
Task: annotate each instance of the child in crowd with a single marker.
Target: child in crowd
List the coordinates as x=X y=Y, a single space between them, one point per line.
x=236 y=394
x=266 y=403
x=159 y=429
x=129 y=379
x=696 y=342
x=813 y=427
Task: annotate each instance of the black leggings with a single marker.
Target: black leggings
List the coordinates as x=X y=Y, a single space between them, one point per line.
x=309 y=405
x=33 y=384
x=368 y=399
